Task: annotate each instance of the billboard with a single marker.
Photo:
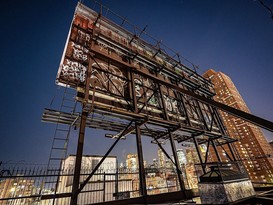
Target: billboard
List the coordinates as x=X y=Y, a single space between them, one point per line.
x=116 y=65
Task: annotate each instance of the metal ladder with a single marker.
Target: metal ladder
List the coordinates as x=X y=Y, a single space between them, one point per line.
x=59 y=147
x=61 y=135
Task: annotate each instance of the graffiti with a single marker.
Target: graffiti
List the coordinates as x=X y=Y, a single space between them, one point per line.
x=154 y=101
x=113 y=82
x=142 y=93
x=79 y=52
x=171 y=104
x=137 y=87
x=73 y=71
x=83 y=36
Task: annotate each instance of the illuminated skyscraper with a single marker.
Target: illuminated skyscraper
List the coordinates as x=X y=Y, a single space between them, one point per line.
x=132 y=161
x=252 y=146
x=181 y=156
x=161 y=158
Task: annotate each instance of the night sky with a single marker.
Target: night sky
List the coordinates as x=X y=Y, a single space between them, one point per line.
x=232 y=36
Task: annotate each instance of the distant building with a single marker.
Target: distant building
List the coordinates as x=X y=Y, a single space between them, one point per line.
x=145 y=164
x=169 y=164
x=132 y=161
x=181 y=156
x=102 y=186
x=252 y=147
x=155 y=163
x=17 y=187
x=161 y=158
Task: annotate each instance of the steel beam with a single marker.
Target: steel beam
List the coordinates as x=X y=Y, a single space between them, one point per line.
x=102 y=160
x=179 y=172
x=77 y=172
x=216 y=151
x=84 y=115
x=164 y=151
x=263 y=123
x=231 y=148
x=207 y=151
x=142 y=178
x=199 y=154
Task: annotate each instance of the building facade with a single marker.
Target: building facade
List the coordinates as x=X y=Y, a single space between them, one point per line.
x=15 y=188
x=161 y=158
x=103 y=186
x=132 y=161
x=252 y=146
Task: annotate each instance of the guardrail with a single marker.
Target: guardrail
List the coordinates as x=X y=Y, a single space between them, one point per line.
x=38 y=185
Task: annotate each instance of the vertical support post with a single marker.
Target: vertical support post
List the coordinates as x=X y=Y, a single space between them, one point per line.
x=142 y=178
x=216 y=151
x=104 y=186
x=202 y=114
x=77 y=171
x=132 y=90
x=116 y=184
x=179 y=172
x=199 y=154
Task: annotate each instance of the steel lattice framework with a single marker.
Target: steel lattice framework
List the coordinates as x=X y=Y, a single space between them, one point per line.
x=130 y=86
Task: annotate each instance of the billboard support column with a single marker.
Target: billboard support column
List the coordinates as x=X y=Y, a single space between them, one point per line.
x=179 y=172
x=142 y=178
x=77 y=172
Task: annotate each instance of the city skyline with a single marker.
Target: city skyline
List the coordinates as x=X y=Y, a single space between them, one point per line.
x=36 y=50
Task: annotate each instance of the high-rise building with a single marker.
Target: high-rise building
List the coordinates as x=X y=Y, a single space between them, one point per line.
x=161 y=158
x=132 y=161
x=181 y=156
x=17 y=187
x=252 y=147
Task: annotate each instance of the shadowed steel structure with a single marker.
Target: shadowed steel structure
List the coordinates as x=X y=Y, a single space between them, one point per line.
x=134 y=86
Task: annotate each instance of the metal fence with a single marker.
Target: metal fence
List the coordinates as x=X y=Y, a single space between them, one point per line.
x=41 y=186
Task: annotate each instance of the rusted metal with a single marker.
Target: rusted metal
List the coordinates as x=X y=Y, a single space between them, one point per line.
x=142 y=178
x=235 y=112
x=118 y=74
x=216 y=151
x=199 y=153
x=101 y=161
x=76 y=179
x=179 y=172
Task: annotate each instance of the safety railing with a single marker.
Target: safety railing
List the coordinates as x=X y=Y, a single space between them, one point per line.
x=37 y=185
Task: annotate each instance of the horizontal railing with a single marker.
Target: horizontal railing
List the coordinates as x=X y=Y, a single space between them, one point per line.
x=38 y=185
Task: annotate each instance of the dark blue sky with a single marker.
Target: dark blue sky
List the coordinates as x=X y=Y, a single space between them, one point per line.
x=235 y=37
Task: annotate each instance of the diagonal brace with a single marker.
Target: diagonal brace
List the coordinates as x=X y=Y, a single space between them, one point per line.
x=102 y=160
x=164 y=151
x=127 y=130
